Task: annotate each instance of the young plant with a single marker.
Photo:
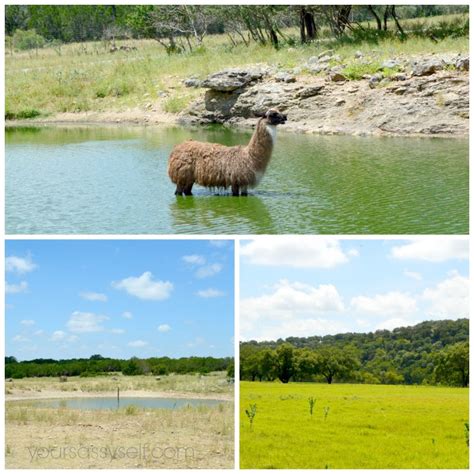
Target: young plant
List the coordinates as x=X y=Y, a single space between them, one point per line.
x=326 y=412
x=251 y=412
x=466 y=432
x=311 y=401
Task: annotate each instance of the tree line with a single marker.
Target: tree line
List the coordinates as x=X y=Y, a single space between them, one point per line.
x=183 y=27
x=98 y=365
x=432 y=352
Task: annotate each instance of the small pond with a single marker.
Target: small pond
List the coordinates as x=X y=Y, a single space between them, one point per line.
x=96 y=180
x=110 y=403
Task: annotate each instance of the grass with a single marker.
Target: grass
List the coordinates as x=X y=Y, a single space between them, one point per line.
x=87 y=77
x=353 y=426
x=207 y=432
x=213 y=383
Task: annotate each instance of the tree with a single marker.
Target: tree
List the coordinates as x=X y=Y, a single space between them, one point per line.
x=335 y=362
x=453 y=365
x=284 y=362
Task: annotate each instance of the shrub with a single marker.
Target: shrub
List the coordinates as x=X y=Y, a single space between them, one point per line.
x=251 y=412
x=29 y=39
x=23 y=114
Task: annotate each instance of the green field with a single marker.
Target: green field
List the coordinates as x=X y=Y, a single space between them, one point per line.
x=367 y=426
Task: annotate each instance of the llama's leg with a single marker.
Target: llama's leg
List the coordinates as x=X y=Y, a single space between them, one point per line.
x=179 y=190
x=188 y=190
x=243 y=191
x=235 y=190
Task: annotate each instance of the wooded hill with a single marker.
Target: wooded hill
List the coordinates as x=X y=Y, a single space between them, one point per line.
x=432 y=352
x=98 y=365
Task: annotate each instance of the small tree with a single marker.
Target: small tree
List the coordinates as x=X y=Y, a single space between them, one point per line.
x=28 y=39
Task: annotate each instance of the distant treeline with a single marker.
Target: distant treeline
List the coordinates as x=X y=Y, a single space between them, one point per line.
x=98 y=365
x=432 y=352
x=182 y=27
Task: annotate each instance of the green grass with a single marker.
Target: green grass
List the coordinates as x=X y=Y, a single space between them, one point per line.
x=367 y=426
x=87 y=77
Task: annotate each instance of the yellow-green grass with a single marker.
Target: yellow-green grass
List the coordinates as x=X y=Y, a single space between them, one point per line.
x=87 y=77
x=367 y=426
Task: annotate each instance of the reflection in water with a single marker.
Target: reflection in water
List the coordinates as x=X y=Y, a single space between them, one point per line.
x=204 y=213
x=114 y=180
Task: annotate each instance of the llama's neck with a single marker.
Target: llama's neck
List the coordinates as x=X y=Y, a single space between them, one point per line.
x=260 y=146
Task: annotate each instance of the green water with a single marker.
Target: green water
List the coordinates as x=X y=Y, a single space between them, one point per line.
x=62 y=180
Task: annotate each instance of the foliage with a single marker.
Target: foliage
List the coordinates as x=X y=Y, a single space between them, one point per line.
x=101 y=365
x=311 y=401
x=24 y=40
x=428 y=353
x=251 y=411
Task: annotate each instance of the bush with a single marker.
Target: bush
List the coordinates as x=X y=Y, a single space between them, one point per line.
x=29 y=39
x=23 y=114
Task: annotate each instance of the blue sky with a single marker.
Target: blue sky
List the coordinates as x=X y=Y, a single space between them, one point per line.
x=303 y=286
x=119 y=298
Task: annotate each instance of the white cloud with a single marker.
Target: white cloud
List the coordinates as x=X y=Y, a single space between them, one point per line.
x=210 y=293
x=91 y=296
x=292 y=308
x=11 y=288
x=19 y=265
x=449 y=298
x=198 y=341
x=117 y=331
x=209 y=270
x=391 y=324
x=432 y=250
x=414 y=275
x=138 y=343
x=393 y=304
x=219 y=243
x=353 y=253
x=39 y=332
x=298 y=252
x=194 y=259
x=20 y=338
x=127 y=315
x=86 y=322
x=144 y=287
x=27 y=322
x=58 y=336
x=164 y=328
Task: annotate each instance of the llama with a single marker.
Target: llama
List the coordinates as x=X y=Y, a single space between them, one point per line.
x=218 y=166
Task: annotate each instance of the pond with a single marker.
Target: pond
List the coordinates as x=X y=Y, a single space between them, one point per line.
x=107 y=403
x=93 y=180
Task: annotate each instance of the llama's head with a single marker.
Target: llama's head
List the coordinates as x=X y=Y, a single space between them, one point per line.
x=273 y=117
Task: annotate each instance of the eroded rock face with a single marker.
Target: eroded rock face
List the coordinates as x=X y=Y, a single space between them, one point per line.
x=430 y=101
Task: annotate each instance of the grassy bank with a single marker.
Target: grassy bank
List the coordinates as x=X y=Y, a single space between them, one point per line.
x=353 y=426
x=211 y=384
x=131 y=437
x=87 y=77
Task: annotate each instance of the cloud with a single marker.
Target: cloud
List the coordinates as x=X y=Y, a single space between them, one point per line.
x=292 y=308
x=197 y=341
x=194 y=259
x=20 y=338
x=86 y=322
x=210 y=293
x=58 y=336
x=27 y=322
x=127 y=315
x=297 y=252
x=432 y=250
x=393 y=304
x=117 y=331
x=19 y=265
x=39 y=332
x=164 y=328
x=209 y=270
x=138 y=343
x=11 y=288
x=91 y=296
x=219 y=243
x=145 y=288
x=414 y=275
x=449 y=298
x=391 y=324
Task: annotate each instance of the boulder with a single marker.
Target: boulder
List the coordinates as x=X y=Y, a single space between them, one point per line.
x=284 y=77
x=192 y=82
x=462 y=64
x=426 y=68
x=337 y=77
x=310 y=91
x=230 y=80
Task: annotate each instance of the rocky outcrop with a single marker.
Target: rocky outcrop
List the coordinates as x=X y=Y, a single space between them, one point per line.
x=420 y=96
